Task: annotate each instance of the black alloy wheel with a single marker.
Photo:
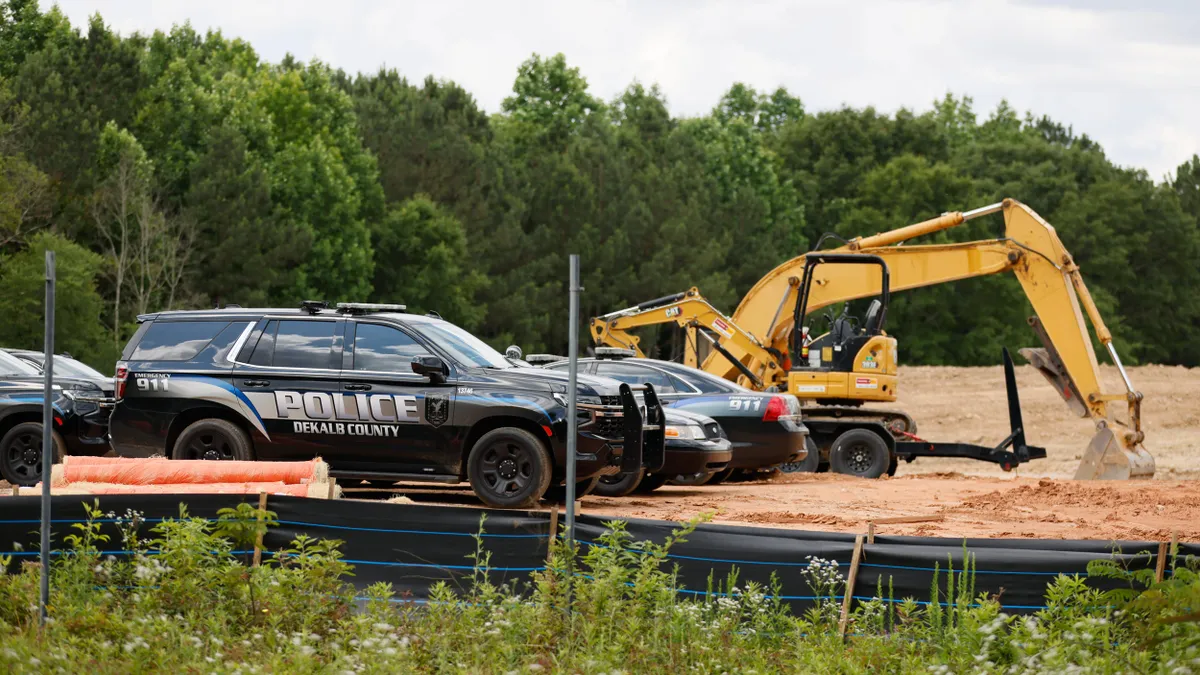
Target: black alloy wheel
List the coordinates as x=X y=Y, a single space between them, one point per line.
x=507 y=468
x=211 y=445
x=213 y=439
x=22 y=454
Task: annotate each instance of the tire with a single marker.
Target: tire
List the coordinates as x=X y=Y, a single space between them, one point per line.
x=509 y=468
x=810 y=464
x=861 y=453
x=213 y=439
x=620 y=484
x=21 y=453
x=721 y=476
x=583 y=488
x=651 y=482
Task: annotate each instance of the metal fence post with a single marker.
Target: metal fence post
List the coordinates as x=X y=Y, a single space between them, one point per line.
x=47 y=435
x=572 y=419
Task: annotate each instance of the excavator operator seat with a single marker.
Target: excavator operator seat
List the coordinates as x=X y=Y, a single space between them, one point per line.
x=842 y=330
x=871 y=320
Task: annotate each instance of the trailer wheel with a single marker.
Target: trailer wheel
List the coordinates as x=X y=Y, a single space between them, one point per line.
x=861 y=453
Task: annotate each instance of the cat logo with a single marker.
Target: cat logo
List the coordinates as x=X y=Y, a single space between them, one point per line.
x=437 y=409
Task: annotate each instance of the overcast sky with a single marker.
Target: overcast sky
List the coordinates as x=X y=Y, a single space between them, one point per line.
x=1126 y=73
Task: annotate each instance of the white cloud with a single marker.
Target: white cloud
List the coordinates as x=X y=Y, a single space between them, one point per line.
x=1123 y=74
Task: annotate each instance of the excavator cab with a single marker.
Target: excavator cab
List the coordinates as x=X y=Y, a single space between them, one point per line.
x=854 y=360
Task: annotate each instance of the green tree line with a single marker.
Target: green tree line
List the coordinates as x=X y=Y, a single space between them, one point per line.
x=180 y=170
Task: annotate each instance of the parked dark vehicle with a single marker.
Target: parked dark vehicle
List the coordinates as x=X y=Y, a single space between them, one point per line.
x=380 y=394
x=695 y=443
x=69 y=373
x=74 y=433
x=765 y=428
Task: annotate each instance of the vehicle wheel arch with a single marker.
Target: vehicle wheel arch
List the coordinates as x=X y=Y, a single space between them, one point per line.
x=192 y=415
x=487 y=424
x=20 y=416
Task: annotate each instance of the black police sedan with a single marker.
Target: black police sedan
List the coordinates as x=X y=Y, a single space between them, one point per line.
x=765 y=428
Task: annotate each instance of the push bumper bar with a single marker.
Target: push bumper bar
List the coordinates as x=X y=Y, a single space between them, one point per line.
x=645 y=435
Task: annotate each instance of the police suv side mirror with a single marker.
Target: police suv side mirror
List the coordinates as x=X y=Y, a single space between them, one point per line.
x=430 y=366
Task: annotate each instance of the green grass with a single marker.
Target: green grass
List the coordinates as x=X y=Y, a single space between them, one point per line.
x=196 y=607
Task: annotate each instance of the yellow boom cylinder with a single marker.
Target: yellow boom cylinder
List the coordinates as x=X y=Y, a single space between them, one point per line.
x=942 y=222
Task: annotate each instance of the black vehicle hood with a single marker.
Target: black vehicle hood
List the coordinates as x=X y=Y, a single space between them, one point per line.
x=69 y=383
x=21 y=385
x=603 y=386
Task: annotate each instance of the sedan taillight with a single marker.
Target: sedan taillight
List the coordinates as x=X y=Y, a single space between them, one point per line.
x=776 y=407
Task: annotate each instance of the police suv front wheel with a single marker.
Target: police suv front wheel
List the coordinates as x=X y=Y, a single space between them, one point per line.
x=509 y=468
x=213 y=439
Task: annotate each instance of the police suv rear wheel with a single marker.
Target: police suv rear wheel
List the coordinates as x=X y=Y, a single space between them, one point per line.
x=214 y=439
x=509 y=468
x=619 y=485
x=21 y=453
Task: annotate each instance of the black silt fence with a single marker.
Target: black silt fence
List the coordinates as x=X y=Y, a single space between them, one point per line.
x=415 y=546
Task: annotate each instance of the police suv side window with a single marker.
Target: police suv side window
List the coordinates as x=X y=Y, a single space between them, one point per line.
x=384 y=349
x=304 y=344
x=175 y=340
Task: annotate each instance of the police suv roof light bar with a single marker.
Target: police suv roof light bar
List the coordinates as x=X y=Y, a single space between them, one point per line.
x=368 y=307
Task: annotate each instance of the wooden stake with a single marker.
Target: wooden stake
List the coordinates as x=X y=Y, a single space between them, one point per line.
x=910 y=519
x=849 y=595
x=553 y=532
x=871 y=532
x=258 y=538
x=1160 y=570
x=16 y=490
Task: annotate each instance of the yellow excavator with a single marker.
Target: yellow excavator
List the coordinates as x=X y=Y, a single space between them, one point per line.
x=767 y=343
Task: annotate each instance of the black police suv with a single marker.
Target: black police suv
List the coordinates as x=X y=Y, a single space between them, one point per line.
x=80 y=425
x=765 y=428
x=695 y=444
x=379 y=394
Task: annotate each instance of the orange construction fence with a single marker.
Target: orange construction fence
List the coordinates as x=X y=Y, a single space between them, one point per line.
x=159 y=471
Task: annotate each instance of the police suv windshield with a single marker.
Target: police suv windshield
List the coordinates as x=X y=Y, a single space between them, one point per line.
x=463 y=346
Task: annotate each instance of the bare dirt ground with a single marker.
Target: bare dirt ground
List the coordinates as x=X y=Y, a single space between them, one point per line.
x=971 y=499
x=977 y=499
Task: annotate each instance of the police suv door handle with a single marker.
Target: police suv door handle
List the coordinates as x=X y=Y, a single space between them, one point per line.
x=256 y=383
x=357 y=387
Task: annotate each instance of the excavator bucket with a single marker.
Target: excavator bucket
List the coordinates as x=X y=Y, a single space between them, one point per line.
x=1106 y=459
